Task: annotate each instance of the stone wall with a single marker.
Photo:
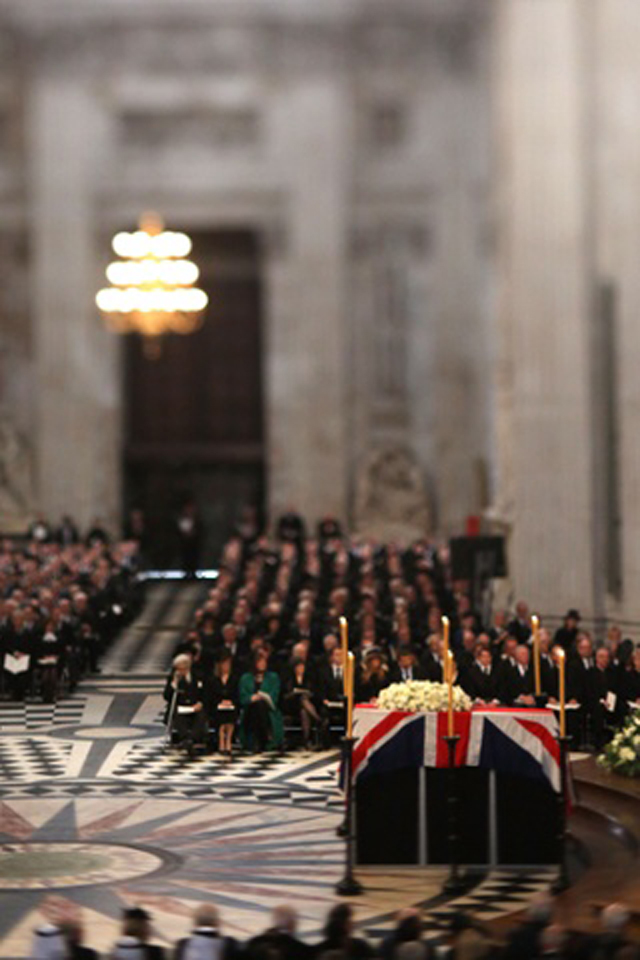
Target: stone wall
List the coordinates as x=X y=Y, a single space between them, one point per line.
x=356 y=141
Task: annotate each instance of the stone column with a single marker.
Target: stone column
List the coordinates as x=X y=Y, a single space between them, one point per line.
x=544 y=263
x=76 y=360
x=306 y=332
x=617 y=162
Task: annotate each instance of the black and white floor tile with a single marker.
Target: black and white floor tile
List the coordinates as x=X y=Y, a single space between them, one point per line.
x=74 y=710
x=96 y=813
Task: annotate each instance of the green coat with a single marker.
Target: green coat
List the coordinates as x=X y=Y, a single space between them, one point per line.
x=270 y=685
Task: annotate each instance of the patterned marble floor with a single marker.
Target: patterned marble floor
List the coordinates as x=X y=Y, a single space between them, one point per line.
x=95 y=814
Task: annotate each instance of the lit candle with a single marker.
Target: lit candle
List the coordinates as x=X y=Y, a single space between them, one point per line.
x=344 y=637
x=535 y=624
x=445 y=647
x=350 y=671
x=449 y=662
x=561 y=686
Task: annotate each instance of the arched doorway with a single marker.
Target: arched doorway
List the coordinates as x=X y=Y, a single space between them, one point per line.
x=193 y=418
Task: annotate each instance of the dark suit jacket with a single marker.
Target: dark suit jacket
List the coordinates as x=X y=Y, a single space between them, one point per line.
x=432 y=668
x=601 y=682
x=395 y=674
x=230 y=949
x=578 y=681
x=549 y=677
x=514 y=685
x=329 y=688
x=479 y=685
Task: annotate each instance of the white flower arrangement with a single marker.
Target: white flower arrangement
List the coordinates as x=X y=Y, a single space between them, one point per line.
x=416 y=696
x=622 y=754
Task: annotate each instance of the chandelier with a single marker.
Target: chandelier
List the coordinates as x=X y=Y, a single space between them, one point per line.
x=152 y=290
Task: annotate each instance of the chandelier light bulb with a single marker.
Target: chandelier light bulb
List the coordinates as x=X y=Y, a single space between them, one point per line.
x=152 y=284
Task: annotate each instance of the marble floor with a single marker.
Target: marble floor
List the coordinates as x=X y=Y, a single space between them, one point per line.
x=96 y=814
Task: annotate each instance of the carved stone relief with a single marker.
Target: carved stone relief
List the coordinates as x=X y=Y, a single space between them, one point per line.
x=220 y=128
x=391 y=498
x=16 y=479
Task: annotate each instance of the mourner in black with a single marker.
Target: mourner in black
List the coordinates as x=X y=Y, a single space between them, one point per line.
x=205 y=940
x=517 y=682
x=280 y=942
x=222 y=701
x=406 y=667
x=567 y=635
x=185 y=696
x=603 y=697
x=134 y=942
x=373 y=676
x=481 y=680
x=520 y=626
x=299 y=698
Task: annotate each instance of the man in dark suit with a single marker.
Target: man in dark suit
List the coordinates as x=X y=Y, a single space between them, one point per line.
x=279 y=942
x=481 y=679
x=517 y=682
x=603 y=692
x=465 y=656
x=548 y=666
x=432 y=662
x=205 y=940
x=406 y=667
x=580 y=668
x=505 y=660
x=330 y=691
x=520 y=626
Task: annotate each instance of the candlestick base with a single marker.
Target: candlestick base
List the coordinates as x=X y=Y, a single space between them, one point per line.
x=562 y=881
x=455 y=882
x=454 y=886
x=349 y=887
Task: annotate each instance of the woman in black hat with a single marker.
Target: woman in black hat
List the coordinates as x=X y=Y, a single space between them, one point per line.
x=374 y=676
x=567 y=634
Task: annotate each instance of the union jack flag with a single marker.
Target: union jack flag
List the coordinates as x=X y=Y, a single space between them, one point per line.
x=518 y=741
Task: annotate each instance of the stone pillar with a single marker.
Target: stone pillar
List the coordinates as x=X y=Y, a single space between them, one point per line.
x=76 y=360
x=544 y=369
x=617 y=162
x=306 y=332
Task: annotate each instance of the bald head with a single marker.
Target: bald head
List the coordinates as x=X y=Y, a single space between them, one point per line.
x=206 y=916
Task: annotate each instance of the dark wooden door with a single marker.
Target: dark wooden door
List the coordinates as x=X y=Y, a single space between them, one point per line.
x=194 y=416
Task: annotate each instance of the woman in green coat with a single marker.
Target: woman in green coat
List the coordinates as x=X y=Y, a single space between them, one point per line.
x=260 y=721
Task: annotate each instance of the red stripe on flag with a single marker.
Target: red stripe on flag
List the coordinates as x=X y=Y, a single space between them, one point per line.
x=461 y=727
x=369 y=740
x=538 y=730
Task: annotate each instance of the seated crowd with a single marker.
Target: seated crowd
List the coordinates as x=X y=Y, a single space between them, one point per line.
x=537 y=936
x=264 y=650
x=62 y=600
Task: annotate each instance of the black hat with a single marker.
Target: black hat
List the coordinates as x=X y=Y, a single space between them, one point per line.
x=135 y=913
x=374 y=652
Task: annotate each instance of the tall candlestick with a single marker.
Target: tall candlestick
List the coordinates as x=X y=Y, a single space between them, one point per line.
x=449 y=662
x=535 y=624
x=344 y=638
x=350 y=678
x=561 y=686
x=445 y=648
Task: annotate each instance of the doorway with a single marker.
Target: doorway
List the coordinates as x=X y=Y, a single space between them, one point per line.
x=194 y=416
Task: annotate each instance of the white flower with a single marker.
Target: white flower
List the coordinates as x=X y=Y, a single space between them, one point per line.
x=422 y=695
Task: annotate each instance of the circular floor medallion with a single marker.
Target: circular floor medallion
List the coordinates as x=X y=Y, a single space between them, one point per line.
x=37 y=866
x=109 y=733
